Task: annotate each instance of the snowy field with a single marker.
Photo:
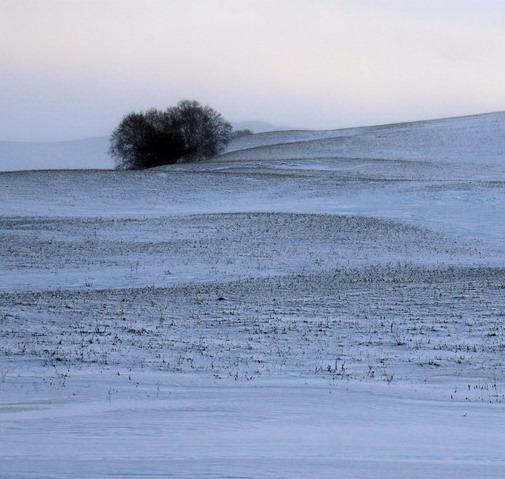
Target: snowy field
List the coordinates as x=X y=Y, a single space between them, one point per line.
x=307 y=304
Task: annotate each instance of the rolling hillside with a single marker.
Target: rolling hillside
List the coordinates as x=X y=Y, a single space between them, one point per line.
x=325 y=302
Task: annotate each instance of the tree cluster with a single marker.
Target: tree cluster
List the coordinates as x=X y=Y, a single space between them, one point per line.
x=185 y=132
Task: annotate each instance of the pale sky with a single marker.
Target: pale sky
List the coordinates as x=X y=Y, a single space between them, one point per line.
x=71 y=69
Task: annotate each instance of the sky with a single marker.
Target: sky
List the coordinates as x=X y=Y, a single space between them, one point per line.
x=71 y=69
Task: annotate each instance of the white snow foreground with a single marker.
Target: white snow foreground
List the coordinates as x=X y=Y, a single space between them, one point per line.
x=308 y=304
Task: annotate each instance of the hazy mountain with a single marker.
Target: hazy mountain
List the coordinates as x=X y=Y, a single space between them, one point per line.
x=258 y=126
x=88 y=154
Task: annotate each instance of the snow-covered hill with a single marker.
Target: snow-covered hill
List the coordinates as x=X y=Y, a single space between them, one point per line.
x=477 y=140
x=453 y=139
x=307 y=304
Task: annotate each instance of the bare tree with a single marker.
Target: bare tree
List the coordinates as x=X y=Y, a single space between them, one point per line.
x=129 y=140
x=188 y=131
x=204 y=130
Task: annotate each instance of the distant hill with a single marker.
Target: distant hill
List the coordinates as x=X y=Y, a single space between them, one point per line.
x=258 y=126
x=88 y=154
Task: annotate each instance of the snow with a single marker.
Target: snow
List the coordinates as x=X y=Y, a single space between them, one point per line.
x=477 y=139
x=260 y=431
x=308 y=304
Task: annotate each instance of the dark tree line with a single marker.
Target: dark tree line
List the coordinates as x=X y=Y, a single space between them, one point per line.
x=188 y=131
